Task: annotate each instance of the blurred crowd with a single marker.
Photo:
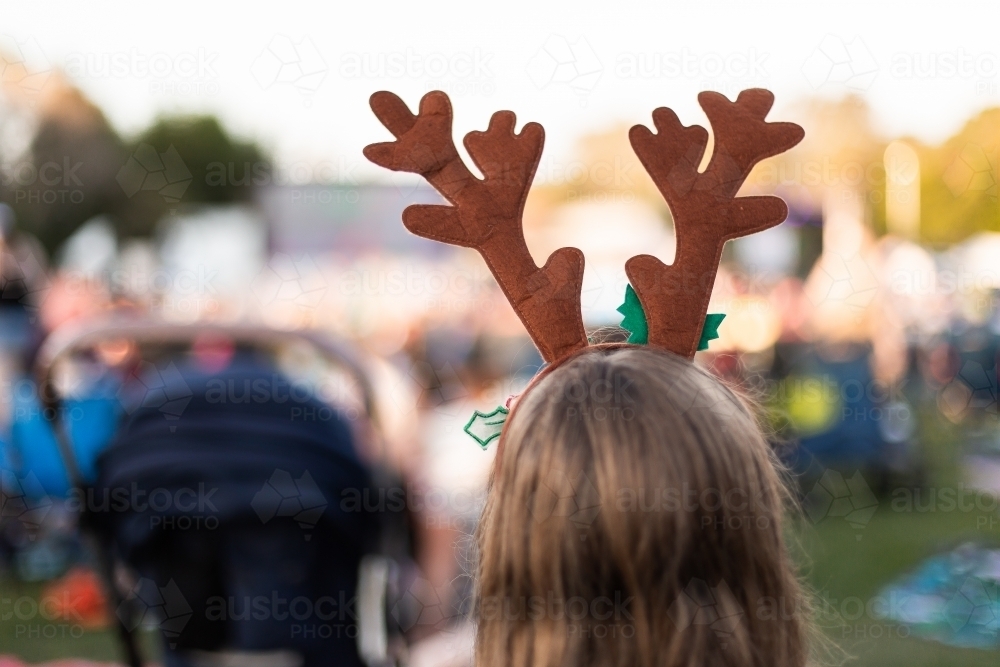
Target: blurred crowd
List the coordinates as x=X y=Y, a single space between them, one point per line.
x=867 y=335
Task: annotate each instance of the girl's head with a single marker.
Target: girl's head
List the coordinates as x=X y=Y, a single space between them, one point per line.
x=635 y=519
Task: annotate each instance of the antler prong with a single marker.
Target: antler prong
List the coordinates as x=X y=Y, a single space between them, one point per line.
x=704 y=206
x=486 y=213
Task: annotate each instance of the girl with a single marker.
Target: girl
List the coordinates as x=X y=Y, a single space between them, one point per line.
x=635 y=518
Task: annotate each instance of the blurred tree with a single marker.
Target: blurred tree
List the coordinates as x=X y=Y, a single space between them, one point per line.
x=184 y=160
x=67 y=175
x=959 y=182
x=76 y=167
x=840 y=157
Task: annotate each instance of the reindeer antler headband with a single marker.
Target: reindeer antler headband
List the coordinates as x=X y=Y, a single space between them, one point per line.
x=486 y=213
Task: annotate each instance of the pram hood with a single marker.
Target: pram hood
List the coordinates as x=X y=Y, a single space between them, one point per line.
x=241 y=445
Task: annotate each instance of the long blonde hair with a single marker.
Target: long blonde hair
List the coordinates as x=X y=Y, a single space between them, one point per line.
x=635 y=518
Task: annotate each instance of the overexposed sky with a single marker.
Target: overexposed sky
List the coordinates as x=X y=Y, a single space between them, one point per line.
x=297 y=75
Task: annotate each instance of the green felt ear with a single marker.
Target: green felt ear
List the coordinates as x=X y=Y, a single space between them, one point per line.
x=634 y=321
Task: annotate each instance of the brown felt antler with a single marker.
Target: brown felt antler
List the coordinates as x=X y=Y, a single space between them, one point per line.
x=486 y=214
x=705 y=208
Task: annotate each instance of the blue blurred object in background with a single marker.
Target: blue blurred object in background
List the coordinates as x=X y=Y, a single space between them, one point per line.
x=90 y=423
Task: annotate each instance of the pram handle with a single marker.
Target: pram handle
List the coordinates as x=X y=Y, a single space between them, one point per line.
x=76 y=337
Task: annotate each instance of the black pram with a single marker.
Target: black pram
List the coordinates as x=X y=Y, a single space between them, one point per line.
x=229 y=495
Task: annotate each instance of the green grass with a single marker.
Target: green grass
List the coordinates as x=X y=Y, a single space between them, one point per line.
x=27 y=634
x=846 y=565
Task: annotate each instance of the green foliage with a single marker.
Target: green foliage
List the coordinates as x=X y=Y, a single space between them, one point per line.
x=77 y=167
x=201 y=141
x=67 y=176
x=959 y=183
x=210 y=167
